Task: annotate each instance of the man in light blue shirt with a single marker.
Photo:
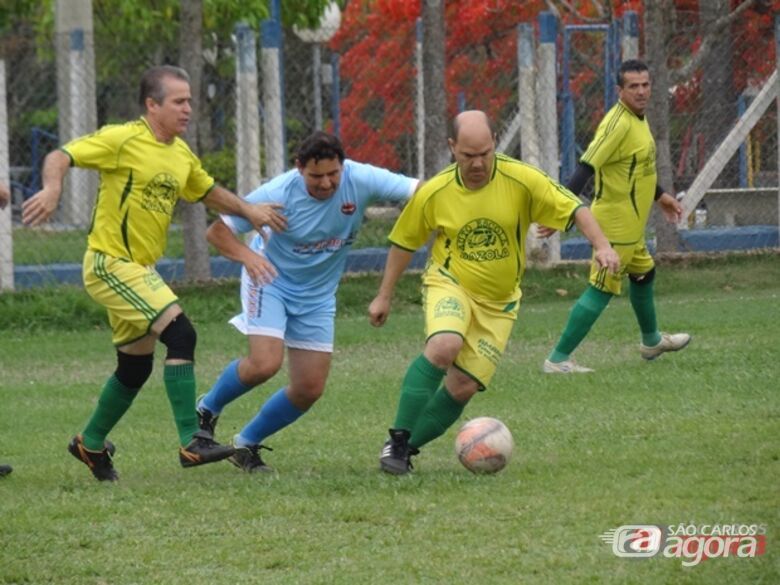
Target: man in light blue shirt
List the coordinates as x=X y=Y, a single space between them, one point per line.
x=289 y=281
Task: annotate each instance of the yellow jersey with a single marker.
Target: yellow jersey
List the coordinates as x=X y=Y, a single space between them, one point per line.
x=140 y=181
x=622 y=154
x=480 y=234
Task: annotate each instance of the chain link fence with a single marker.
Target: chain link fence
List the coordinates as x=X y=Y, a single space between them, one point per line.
x=729 y=173
x=544 y=81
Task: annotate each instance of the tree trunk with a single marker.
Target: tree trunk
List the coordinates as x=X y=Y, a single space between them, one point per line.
x=196 y=252
x=436 y=152
x=656 y=30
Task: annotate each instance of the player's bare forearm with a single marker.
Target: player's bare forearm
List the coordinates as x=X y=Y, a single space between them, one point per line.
x=397 y=261
x=5 y=195
x=670 y=208
x=225 y=241
x=41 y=206
x=605 y=255
x=223 y=201
x=262 y=214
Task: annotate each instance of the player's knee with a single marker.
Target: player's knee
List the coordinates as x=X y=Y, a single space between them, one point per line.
x=133 y=370
x=442 y=349
x=462 y=390
x=643 y=279
x=305 y=395
x=258 y=370
x=180 y=338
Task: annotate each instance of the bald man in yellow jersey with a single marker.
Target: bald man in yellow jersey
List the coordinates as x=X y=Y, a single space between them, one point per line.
x=622 y=158
x=145 y=168
x=480 y=209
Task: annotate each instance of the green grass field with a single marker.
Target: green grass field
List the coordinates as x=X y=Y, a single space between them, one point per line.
x=48 y=246
x=691 y=438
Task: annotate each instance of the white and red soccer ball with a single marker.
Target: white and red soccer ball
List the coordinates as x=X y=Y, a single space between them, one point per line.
x=484 y=445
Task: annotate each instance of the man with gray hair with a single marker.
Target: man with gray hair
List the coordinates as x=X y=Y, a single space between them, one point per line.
x=145 y=168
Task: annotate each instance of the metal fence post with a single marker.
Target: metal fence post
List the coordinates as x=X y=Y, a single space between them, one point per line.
x=247 y=113
x=526 y=94
x=273 y=92
x=548 y=110
x=77 y=101
x=419 y=109
x=335 y=96
x=6 y=229
x=630 y=41
x=316 y=73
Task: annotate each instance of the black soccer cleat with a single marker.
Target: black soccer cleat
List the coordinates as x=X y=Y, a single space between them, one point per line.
x=396 y=457
x=248 y=458
x=207 y=420
x=5 y=470
x=203 y=449
x=99 y=462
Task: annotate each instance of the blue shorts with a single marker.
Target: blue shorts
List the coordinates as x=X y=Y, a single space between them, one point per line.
x=303 y=323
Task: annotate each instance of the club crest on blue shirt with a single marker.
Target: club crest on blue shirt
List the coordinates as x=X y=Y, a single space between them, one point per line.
x=348 y=208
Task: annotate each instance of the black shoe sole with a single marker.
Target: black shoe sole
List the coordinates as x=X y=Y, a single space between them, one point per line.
x=213 y=458
x=393 y=469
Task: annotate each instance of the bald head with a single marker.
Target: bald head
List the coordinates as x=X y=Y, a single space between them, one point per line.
x=471 y=122
x=473 y=146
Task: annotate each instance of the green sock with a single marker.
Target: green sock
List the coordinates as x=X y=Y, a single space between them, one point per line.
x=583 y=315
x=440 y=413
x=180 y=386
x=421 y=380
x=114 y=401
x=641 y=296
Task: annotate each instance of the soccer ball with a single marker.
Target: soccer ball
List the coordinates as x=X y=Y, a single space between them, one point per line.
x=484 y=445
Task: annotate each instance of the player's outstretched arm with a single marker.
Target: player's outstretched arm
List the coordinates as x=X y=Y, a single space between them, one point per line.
x=605 y=255
x=262 y=214
x=397 y=261
x=41 y=206
x=225 y=241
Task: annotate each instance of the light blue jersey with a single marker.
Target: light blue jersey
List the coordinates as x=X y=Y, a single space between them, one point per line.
x=311 y=253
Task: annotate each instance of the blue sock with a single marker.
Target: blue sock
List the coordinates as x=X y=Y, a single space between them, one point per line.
x=274 y=415
x=226 y=389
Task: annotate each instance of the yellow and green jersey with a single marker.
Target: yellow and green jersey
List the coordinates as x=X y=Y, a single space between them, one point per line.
x=622 y=154
x=480 y=234
x=140 y=181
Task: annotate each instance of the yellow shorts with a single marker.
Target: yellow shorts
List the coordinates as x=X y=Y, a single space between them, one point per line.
x=634 y=259
x=485 y=326
x=134 y=296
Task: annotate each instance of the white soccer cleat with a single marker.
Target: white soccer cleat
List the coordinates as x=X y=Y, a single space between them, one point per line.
x=669 y=342
x=564 y=367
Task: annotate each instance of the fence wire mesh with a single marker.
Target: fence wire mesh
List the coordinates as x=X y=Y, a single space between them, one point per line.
x=364 y=84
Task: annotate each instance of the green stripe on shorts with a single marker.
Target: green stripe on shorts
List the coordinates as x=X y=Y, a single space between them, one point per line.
x=122 y=289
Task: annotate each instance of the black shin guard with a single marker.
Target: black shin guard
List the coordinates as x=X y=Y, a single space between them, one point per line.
x=643 y=279
x=133 y=370
x=180 y=338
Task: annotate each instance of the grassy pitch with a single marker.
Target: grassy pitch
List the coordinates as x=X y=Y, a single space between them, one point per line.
x=692 y=438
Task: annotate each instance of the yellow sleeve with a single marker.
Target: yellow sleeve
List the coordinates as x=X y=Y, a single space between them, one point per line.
x=605 y=146
x=412 y=228
x=552 y=204
x=199 y=182
x=97 y=151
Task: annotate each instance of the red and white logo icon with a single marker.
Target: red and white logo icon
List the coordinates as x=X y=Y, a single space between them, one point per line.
x=635 y=540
